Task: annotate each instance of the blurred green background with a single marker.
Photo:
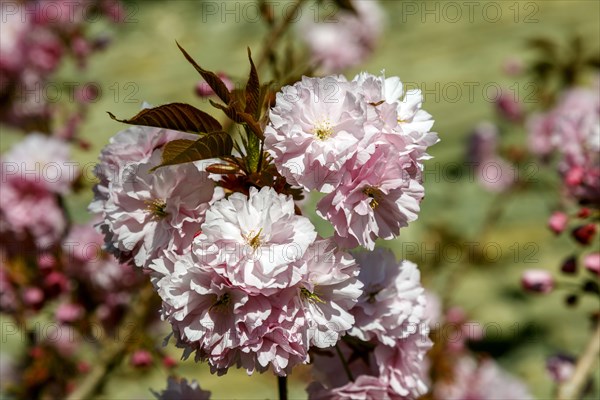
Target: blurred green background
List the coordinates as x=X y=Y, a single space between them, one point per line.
x=440 y=53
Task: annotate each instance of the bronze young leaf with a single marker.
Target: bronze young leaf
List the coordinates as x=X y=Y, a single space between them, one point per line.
x=177 y=116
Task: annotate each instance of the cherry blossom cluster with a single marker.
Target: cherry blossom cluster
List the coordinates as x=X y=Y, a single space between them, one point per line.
x=363 y=142
x=37 y=38
x=244 y=278
x=572 y=130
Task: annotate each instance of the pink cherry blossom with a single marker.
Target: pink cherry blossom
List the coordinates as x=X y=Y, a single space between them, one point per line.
x=402 y=366
x=223 y=324
x=181 y=389
x=346 y=40
x=42 y=161
x=365 y=387
x=480 y=381
x=148 y=212
x=254 y=241
x=132 y=145
x=316 y=127
x=28 y=209
x=328 y=292
x=392 y=305
x=374 y=201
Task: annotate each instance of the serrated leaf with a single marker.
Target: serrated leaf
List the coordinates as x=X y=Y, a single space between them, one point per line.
x=177 y=116
x=213 y=145
x=217 y=85
x=252 y=90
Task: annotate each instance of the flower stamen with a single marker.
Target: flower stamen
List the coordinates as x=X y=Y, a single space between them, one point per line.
x=222 y=302
x=323 y=129
x=253 y=240
x=310 y=296
x=375 y=195
x=157 y=208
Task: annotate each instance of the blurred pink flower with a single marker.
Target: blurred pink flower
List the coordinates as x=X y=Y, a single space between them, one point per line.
x=346 y=40
x=181 y=389
x=27 y=209
x=558 y=222
x=68 y=312
x=480 y=381
x=141 y=359
x=592 y=263
x=42 y=161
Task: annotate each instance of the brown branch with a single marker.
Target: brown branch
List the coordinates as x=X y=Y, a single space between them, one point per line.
x=114 y=351
x=276 y=34
x=574 y=386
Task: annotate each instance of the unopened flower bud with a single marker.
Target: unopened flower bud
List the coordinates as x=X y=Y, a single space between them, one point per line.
x=558 y=222
x=537 y=280
x=584 y=234
x=591 y=262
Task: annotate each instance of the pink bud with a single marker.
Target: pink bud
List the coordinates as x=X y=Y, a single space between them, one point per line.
x=575 y=176
x=592 y=263
x=584 y=212
x=68 y=312
x=56 y=283
x=513 y=66
x=46 y=261
x=169 y=362
x=584 y=234
x=537 y=280
x=141 y=359
x=33 y=296
x=509 y=108
x=569 y=266
x=558 y=222
x=560 y=367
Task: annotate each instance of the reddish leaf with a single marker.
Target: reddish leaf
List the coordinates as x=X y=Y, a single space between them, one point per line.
x=240 y=117
x=217 y=85
x=177 y=116
x=252 y=90
x=216 y=144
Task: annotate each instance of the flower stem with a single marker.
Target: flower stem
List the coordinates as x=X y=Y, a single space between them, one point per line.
x=344 y=363
x=114 y=351
x=282 y=387
x=572 y=388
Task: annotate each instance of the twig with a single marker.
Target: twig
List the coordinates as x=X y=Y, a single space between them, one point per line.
x=114 y=351
x=344 y=363
x=282 y=387
x=276 y=34
x=572 y=388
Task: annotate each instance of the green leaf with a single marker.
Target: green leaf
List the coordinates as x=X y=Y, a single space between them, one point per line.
x=252 y=90
x=177 y=116
x=216 y=144
x=217 y=85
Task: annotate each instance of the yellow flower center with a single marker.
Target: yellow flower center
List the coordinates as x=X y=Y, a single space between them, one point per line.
x=222 y=302
x=310 y=296
x=375 y=195
x=323 y=129
x=253 y=240
x=157 y=208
